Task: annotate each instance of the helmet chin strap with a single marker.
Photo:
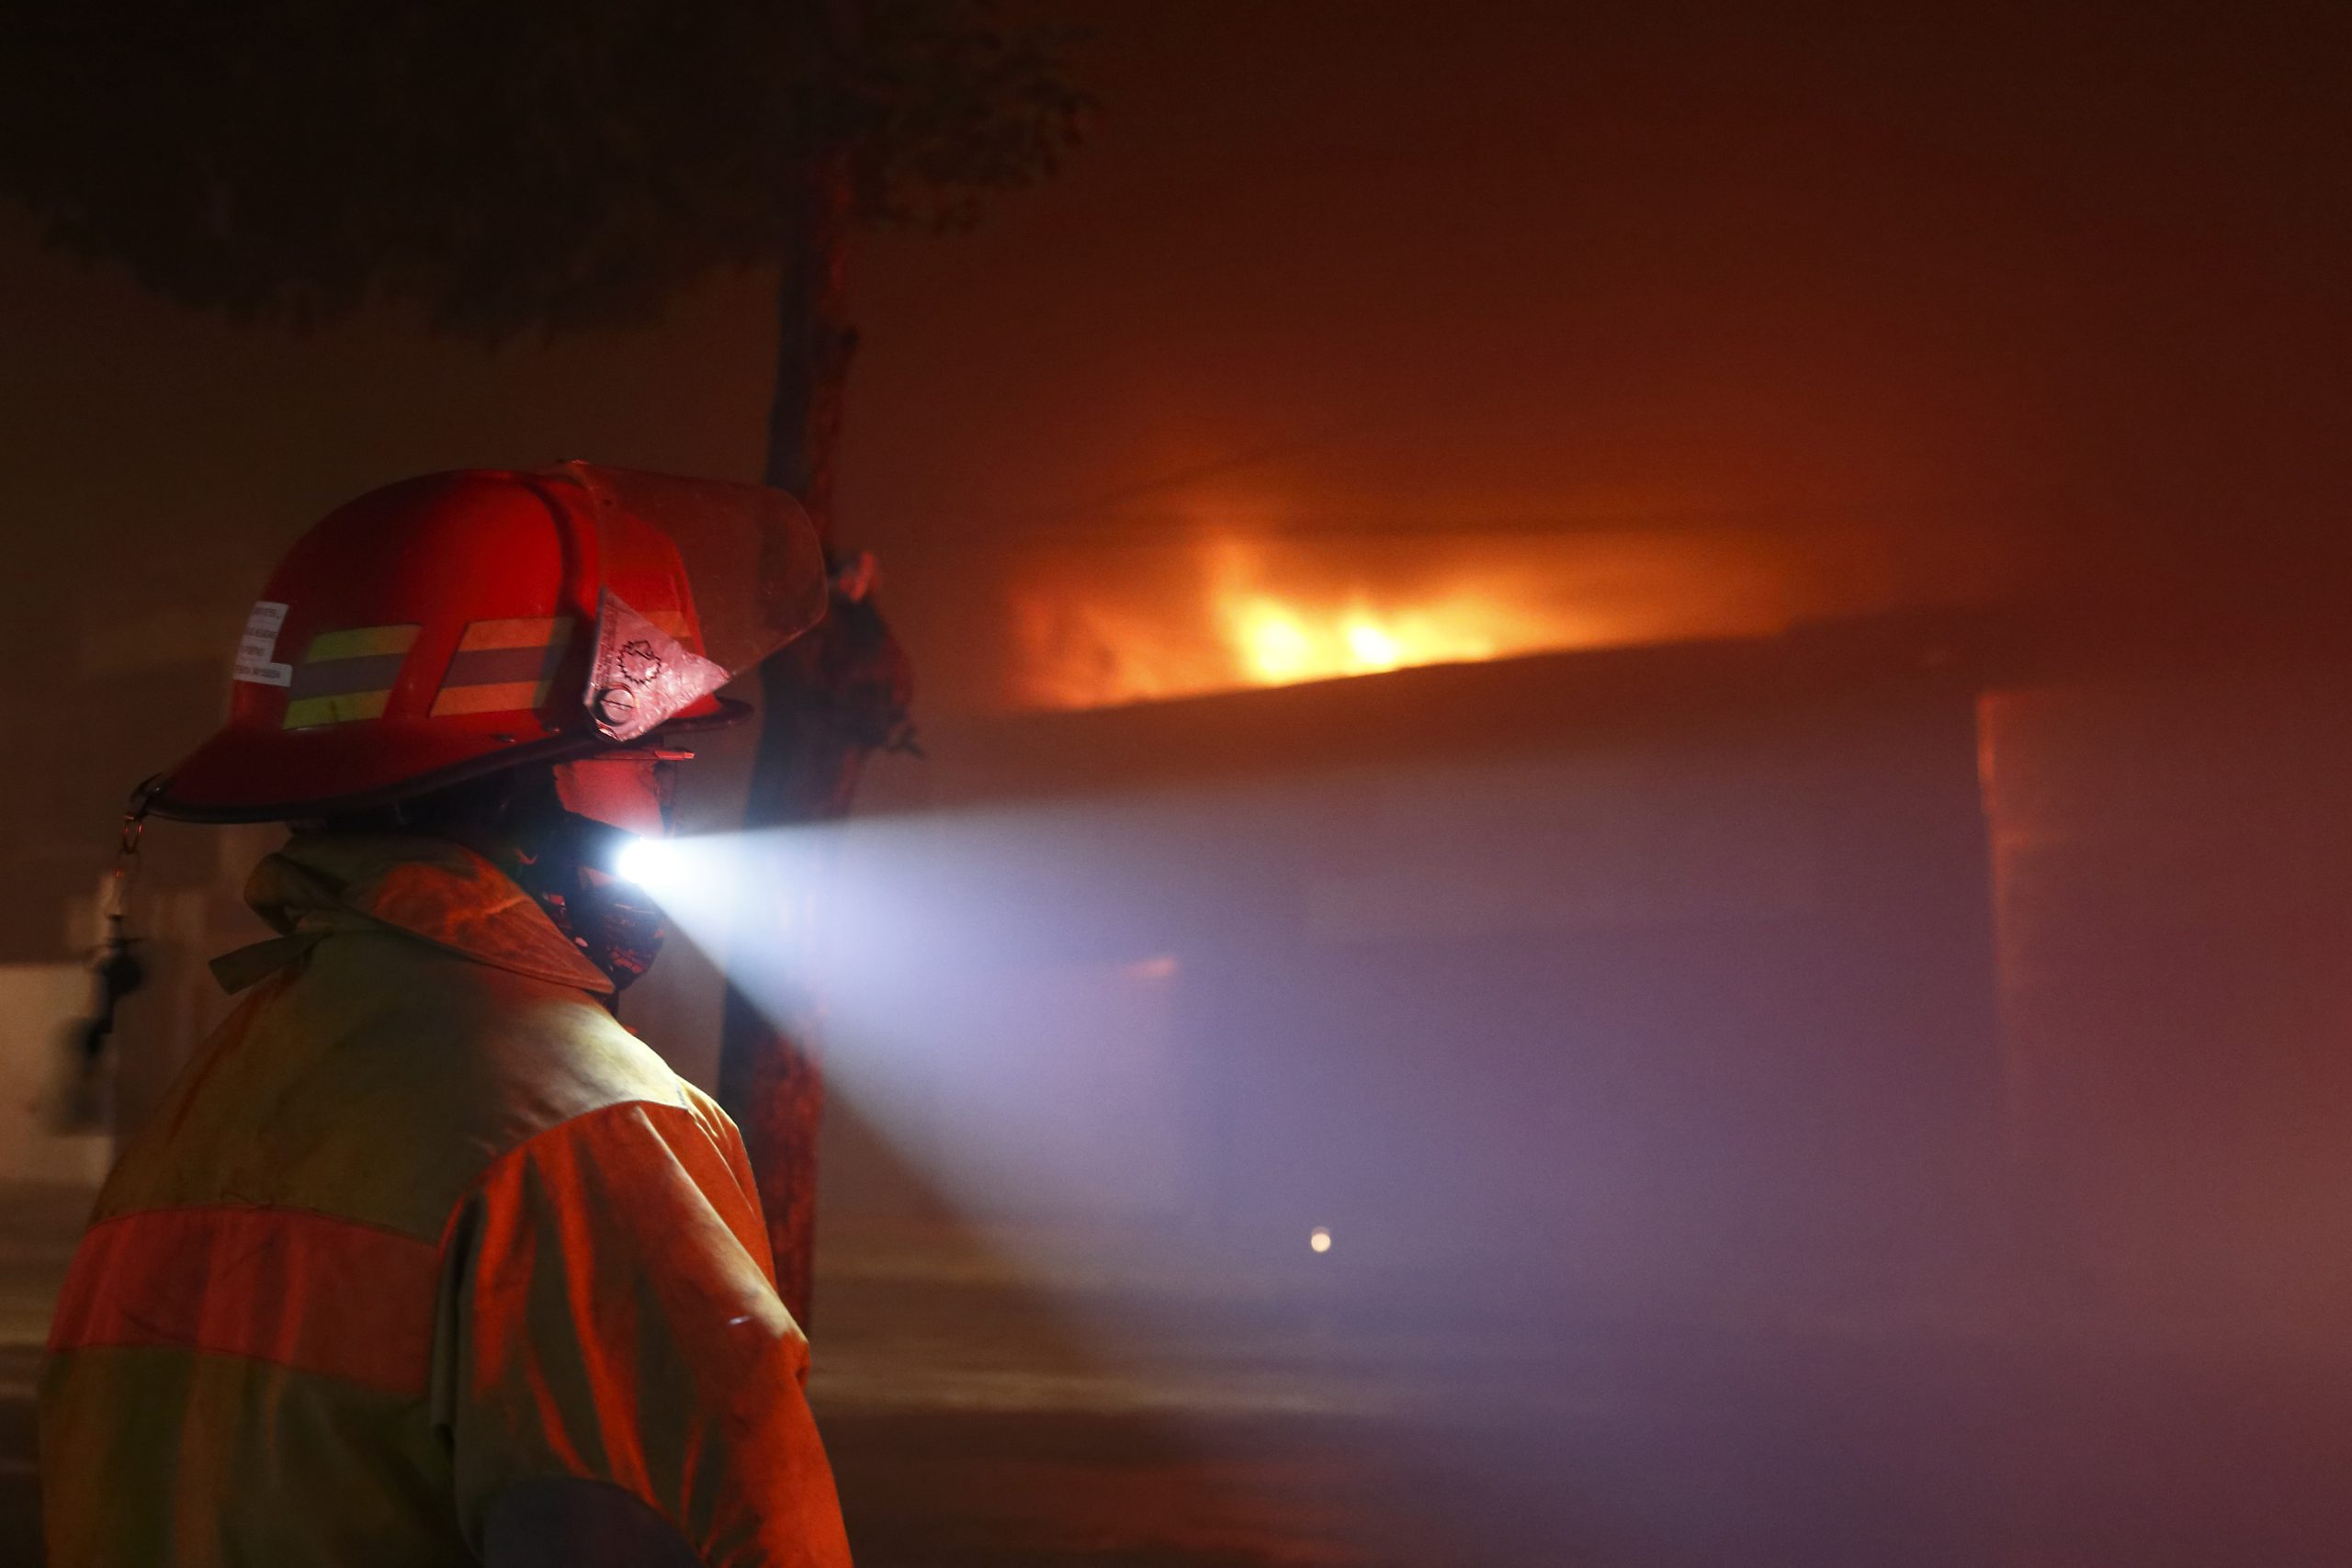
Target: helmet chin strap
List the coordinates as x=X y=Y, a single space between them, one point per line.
x=564 y=857
x=557 y=831
x=559 y=859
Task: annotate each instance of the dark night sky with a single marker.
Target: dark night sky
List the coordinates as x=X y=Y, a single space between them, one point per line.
x=1910 y=305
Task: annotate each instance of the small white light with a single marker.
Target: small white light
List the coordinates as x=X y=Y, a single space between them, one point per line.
x=646 y=861
x=1320 y=1239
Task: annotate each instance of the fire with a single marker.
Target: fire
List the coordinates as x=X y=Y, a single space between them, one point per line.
x=1279 y=644
x=1225 y=614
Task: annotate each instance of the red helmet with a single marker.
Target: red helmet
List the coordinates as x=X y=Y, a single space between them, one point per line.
x=450 y=625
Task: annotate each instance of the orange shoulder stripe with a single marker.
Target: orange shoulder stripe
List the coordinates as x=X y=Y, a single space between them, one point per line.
x=288 y=1286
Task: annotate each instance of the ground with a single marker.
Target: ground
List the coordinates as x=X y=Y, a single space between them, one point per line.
x=1135 y=1418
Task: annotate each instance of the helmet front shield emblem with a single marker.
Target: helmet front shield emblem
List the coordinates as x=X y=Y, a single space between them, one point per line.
x=642 y=676
x=757 y=577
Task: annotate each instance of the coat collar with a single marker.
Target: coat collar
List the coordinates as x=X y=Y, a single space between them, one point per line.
x=432 y=889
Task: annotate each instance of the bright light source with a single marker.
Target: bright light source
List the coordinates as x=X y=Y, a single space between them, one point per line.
x=647 y=861
x=1320 y=1239
x=1372 y=646
x=1276 y=646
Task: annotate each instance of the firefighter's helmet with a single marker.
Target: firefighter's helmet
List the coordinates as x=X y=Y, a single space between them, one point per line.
x=454 y=625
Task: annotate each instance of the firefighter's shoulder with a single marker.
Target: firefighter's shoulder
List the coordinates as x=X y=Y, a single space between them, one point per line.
x=405 y=1070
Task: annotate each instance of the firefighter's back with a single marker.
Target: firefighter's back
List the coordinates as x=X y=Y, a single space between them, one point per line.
x=243 y=1365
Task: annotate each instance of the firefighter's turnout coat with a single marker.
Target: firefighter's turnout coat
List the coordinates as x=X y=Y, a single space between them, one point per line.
x=421 y=1223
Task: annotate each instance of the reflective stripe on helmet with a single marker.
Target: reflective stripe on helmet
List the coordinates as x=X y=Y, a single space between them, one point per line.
x=347 y=676
x=528 y=631
x=309 y=712
x=360 y=642
x=503 y=666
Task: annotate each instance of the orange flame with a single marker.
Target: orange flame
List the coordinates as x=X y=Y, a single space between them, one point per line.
x=1105 y=640
x=1277 y=643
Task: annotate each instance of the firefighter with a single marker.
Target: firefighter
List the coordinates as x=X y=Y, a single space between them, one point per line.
x=424 y=1259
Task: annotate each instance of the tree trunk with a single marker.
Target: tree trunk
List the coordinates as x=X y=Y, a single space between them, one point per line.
x=818 y=720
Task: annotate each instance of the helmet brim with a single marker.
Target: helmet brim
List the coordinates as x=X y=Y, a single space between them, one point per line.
x=354 y=774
